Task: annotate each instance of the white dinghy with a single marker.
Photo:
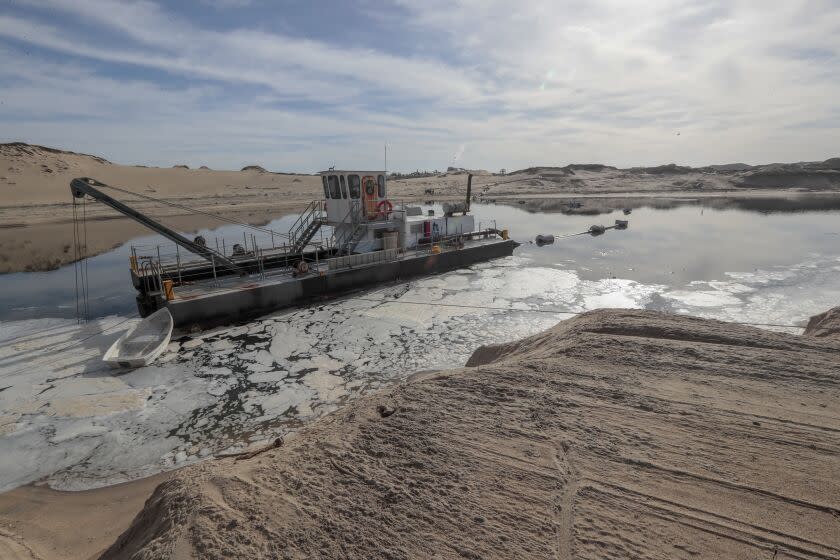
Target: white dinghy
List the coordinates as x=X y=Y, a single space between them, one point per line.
x=143 y=343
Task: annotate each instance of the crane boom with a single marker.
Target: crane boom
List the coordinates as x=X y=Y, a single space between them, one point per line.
x=86 y=186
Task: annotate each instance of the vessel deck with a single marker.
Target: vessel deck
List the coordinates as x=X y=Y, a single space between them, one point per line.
x=276 y=277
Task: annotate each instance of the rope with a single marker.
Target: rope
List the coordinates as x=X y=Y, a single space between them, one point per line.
x=190 y=209
x=86 y=284
x=80 y=263
x=76 y=258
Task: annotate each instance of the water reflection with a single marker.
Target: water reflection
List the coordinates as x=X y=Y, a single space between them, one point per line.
x=594 y=206
x=673 y=242
x=33 y=295
x=670 y=241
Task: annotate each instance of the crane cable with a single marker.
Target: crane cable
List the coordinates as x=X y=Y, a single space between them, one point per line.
x=86 y=260
x=190 y=209
x=80 y=262
x=76 y=259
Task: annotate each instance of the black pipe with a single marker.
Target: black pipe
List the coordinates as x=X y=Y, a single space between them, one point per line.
x=469 y=192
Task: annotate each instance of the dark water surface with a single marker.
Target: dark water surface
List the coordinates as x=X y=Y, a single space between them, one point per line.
x=669 y=242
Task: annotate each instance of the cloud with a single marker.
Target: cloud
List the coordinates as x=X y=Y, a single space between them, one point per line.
x=289 y=65
x=551 y=82
x=227 y=4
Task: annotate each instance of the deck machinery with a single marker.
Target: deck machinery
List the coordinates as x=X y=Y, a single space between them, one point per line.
x=354 y=238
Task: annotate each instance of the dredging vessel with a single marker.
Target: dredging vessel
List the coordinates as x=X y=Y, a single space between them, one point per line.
x=364 y=239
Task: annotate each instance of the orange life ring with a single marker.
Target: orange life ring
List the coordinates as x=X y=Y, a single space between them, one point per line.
x=384 y=208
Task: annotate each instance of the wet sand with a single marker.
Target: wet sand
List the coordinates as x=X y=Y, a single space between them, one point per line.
x=39 y=523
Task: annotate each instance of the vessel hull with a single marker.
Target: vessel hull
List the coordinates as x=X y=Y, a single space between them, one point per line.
x=229 y=306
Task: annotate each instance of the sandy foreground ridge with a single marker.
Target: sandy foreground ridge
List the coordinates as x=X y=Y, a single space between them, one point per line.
x=616 y=434
x=36 y=207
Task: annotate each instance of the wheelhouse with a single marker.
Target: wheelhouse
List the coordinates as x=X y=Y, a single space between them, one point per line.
x=353 y=192
x=359 y=210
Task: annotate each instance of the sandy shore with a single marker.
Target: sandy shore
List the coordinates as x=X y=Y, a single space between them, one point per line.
x=36 y=206
x=620 y=433
x=39 y=523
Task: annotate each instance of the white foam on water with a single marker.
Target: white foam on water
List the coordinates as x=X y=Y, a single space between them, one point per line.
x=67 y=419
x=703 y=299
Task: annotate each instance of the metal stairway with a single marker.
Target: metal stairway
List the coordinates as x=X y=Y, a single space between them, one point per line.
x=306 y=226
x=345 y=241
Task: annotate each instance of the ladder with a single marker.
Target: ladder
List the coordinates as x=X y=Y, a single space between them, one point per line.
x=346 y=240
x=306 y=226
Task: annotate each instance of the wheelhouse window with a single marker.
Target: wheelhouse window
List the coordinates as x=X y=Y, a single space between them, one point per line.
x=355 y=186
x=381 y=186
x=343 y=187
x=335 y=192
x=326 y=188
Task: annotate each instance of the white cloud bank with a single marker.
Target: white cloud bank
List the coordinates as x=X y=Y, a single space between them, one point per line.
x=512 y=85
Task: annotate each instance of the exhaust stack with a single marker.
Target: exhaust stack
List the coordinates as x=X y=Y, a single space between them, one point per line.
x=469 y=193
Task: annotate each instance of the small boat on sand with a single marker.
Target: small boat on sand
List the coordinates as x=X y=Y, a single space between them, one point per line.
x=143 y=343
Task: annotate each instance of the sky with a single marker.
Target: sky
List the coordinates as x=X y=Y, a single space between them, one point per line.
x=301 y=85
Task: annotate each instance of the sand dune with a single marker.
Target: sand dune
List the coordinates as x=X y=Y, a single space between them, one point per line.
x=36 y=207
x=617 y=434
x=34 y=175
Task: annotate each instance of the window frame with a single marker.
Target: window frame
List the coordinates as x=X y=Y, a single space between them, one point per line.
x=335 y=189
x=326 y=188
x=343 y=187
x=358 y=186
x=380 y=181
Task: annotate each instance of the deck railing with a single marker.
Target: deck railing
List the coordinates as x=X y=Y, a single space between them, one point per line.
x=362 y=259
x=305 y=227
